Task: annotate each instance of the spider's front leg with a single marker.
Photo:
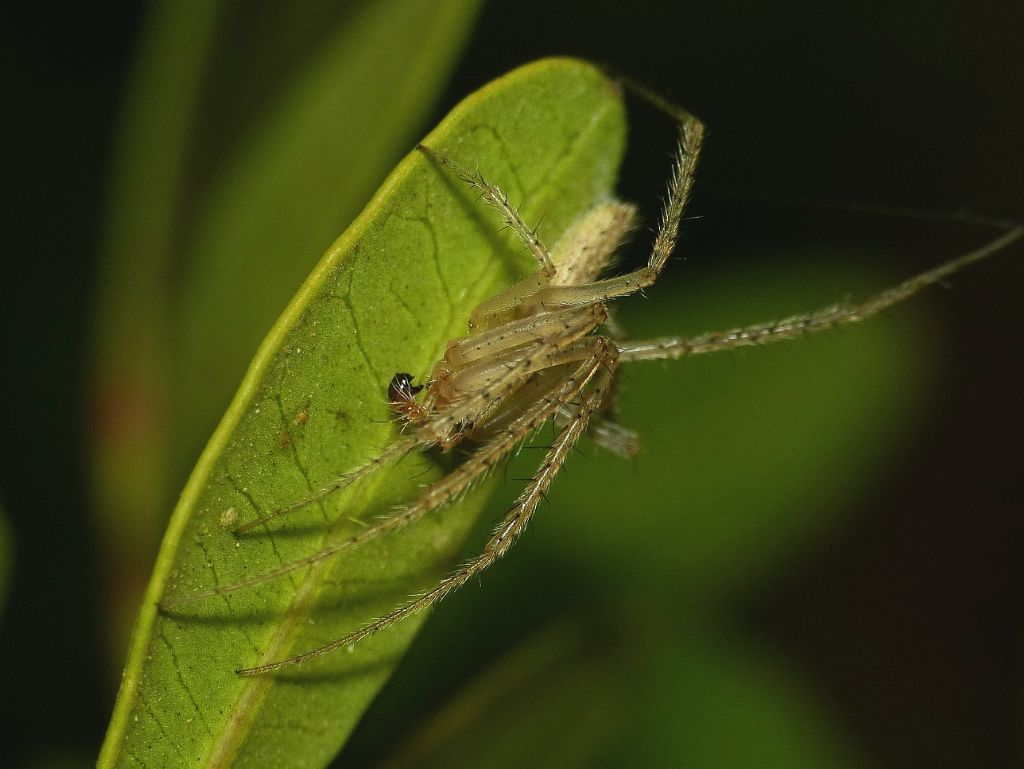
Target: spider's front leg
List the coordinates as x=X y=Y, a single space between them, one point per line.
x=500 y=440
x=400 y=396
x=393 y=453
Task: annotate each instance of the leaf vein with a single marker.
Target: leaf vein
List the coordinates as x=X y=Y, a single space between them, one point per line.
x=181 y=680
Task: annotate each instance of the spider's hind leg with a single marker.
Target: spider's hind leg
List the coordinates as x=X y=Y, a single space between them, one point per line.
x=604 y=431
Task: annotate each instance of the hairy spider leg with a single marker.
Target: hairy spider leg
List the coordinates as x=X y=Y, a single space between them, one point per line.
x=581 y=255
x=495 y=341
x=394 y=452
x=439 y=431
x=540 y=354
x=798 y=325
x=440 y=493
x=503 y=356
x=499 y=200
x=494 y=374
x=448 y=424
x=690 y=140
x=586 y=250
x=808 y=323
x=602 y=430
x=507 y=531
x=536 y=292
x=562 y=346
x=590 y=245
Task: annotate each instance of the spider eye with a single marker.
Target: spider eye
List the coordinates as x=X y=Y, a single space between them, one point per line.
x=401 y=388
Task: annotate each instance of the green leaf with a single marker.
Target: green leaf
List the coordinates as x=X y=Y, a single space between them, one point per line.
x=324 y=133
x=251 y=137
x=391 y=291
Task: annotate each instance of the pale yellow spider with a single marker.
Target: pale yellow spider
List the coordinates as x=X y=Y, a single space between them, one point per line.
x=536 y=352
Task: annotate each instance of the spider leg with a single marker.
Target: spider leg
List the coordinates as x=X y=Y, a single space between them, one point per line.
x=493 y=195
x=583 y=252
x=528 y=296
x=482 y=389
x=395 y=451
x=691 y=135
x=799 y=325
x=561 y=323
x=580 y=255
x=543 y=354
x=603 y=430
x=503 y=537
x=606 y=433
x=436 y=495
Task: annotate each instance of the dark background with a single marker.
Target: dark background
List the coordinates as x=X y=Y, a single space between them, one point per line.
x=913 y=622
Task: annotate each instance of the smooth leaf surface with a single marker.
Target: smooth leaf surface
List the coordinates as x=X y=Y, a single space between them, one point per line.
x=398 y=284
x=251 y=137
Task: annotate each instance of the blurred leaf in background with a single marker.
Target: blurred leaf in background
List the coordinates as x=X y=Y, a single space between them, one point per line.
x=6 y=559
x=586 y=691
x=555 y=700
x=250 y=137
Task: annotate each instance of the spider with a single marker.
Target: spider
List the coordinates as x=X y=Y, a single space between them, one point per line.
x=545 y=349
